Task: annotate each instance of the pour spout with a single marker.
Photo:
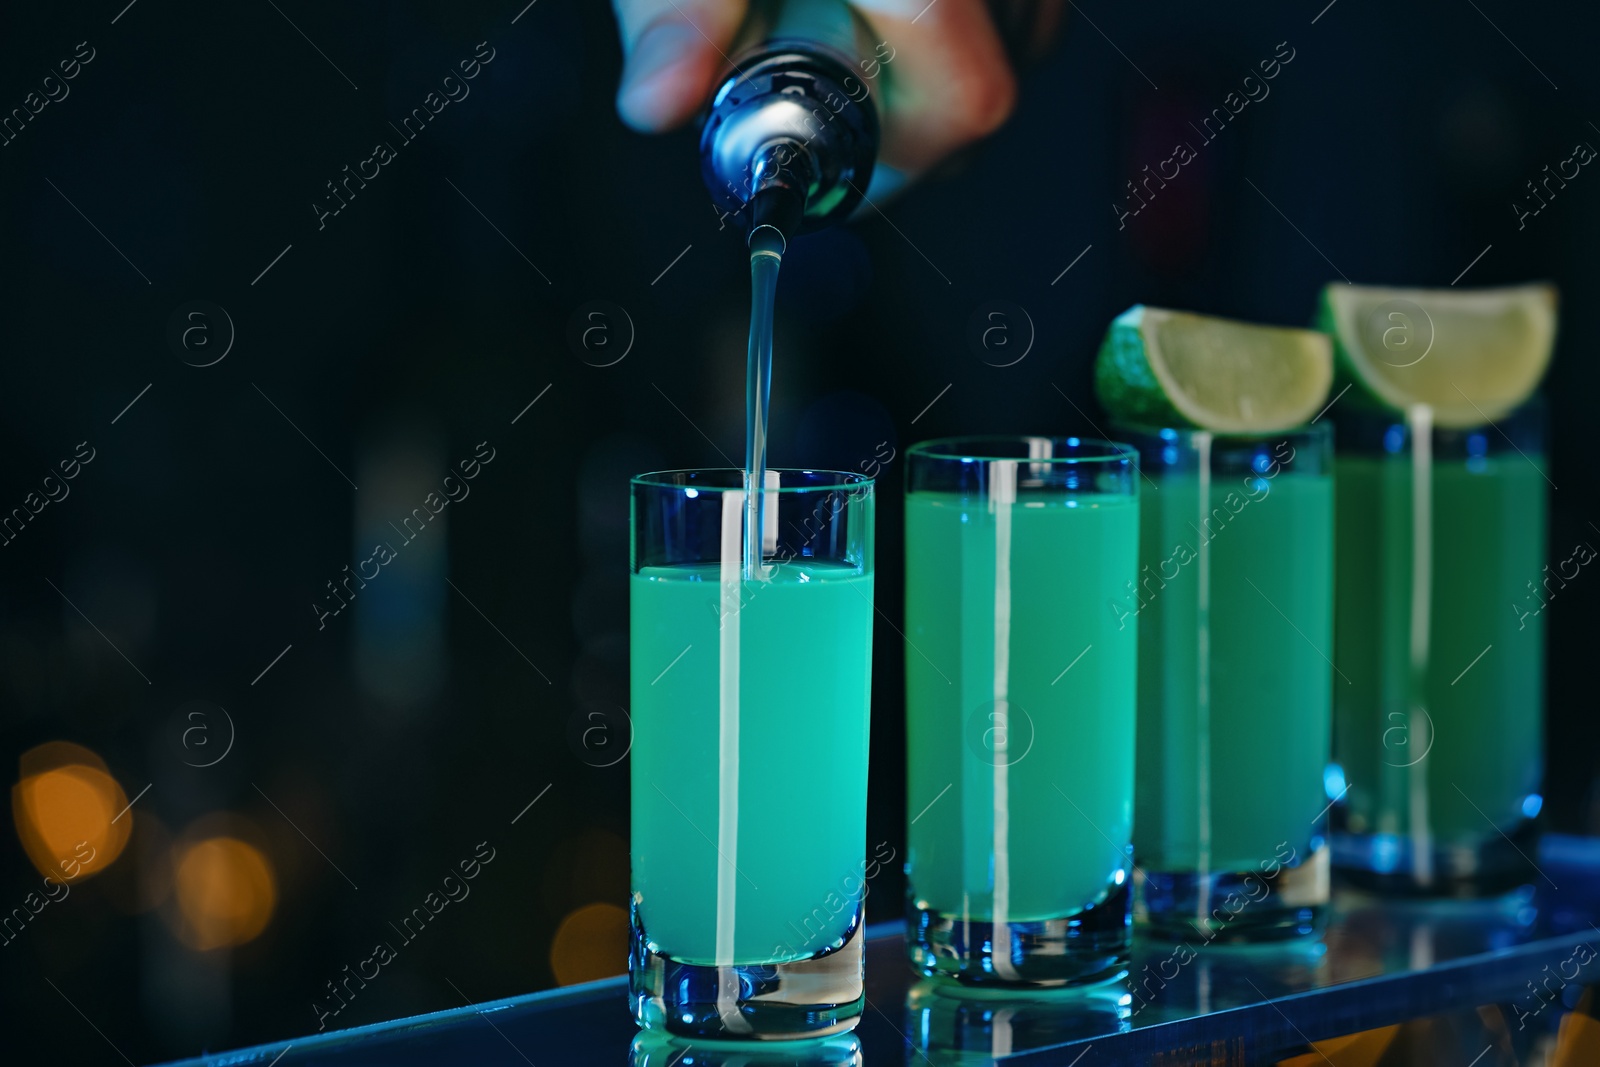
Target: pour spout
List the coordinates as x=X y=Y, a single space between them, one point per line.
x=781 y=173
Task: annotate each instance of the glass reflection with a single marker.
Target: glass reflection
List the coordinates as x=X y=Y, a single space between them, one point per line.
x=652 y=1048
x=1414 y=934
x=1194 y=980
x=953 y=1024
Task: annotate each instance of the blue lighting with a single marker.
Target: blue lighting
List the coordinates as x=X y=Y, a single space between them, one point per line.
x=691 y=493
x=1261 y=463
x=1073 y=442
x=1531 y=804
x=1394 y=439
x=1385 y=853
x=1169 y=434
x=1333 y=783
x=1169 y=455
x=1477 y=453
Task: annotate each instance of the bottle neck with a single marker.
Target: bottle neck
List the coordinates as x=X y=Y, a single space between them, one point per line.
x=786 y=125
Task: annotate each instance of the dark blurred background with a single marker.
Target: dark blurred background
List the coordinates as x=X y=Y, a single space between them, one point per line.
x=301 y=782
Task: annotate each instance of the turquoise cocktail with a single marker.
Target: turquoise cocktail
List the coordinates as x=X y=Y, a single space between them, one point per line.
x=1235 y=610
x=1020 y=705
x=749 y=772
x=1443 y=580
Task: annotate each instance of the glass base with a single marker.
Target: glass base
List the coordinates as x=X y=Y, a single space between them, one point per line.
x=749 y=1002
x=1235 y=906
x=1387 y=863
x=1091 y=946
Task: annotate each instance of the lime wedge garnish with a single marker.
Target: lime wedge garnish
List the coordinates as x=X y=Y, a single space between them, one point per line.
x=1175 y=368
x=1470 y=354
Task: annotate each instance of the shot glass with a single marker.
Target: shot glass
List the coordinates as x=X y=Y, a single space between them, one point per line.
x=1019 y=708
x=1234 y=600
x=1442 y=585
x=749 y=773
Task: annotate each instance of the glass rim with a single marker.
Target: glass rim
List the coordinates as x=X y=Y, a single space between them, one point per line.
x=828 y=480
x=1186 y=434
x=968 y=448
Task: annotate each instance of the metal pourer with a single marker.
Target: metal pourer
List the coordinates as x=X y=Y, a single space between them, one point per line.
x=791 y=135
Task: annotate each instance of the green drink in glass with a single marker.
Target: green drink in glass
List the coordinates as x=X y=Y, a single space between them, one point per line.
x=1442 y=580
x=747 y=897
x=1442 y=583
x=1020 y=704
x=1234 y=605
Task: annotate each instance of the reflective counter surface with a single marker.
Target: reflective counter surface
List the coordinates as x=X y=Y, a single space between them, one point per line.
x=1388 y=982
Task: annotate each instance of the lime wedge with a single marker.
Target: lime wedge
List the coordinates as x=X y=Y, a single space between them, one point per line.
x=1175 y=368
x=1471 y=355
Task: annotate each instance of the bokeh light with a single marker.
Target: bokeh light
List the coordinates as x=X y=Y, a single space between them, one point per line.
x=590 y=943
x=71 y=815
x=226 y=892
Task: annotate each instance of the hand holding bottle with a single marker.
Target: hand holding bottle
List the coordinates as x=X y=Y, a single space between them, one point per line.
x=947 y=81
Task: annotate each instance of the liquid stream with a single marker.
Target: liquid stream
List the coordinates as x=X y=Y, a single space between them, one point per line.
x=766 y=251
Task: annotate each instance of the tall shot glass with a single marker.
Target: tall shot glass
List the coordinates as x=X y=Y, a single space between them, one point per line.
x=1020 y=708
x=1234 y=602
x=1442 y=584
x=749 y=773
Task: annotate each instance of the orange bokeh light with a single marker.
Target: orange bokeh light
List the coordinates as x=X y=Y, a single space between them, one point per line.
x=71 y=815
x=226 y=893
x=590 y=943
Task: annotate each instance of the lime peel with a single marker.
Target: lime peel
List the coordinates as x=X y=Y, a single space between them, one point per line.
x=1176 y=368
x=1471 y=355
